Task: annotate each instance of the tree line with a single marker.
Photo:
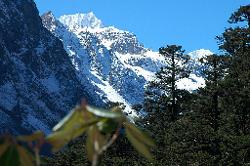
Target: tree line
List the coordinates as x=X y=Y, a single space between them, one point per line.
x=210 y=126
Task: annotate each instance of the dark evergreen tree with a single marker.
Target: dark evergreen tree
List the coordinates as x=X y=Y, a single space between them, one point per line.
x=162 y=93
x=165 y=103
x=207 y=105
x=235 y=132
x=241 y=15
x=236 y=43
x=215 y=67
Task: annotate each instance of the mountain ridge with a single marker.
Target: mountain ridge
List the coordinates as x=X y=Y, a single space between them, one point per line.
x=38 y=84
x=114 y=61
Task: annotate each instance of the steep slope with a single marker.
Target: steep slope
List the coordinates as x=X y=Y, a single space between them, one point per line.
x=116 y=64
x=38 y=84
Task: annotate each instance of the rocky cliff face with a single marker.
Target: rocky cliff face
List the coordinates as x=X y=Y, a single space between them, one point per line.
x=38 y=83
x=116 y=64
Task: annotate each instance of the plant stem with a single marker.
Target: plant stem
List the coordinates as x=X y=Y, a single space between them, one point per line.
x=105 y=147
x=111 y=141
x=38 y=162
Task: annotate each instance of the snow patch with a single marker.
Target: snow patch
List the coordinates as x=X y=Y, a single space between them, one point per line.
x=192 y=83
x=201 y=53
x=112 y=95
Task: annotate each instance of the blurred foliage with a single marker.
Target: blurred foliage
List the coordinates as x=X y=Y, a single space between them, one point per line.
x=101 y=128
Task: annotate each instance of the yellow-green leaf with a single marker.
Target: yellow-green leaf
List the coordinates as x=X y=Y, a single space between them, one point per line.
x=25 y=157
x=139 y=135
x=107 y=125
x=60 y=138
x=104 y=113
x=68 y=121
x=29 y=138
x=139 y=146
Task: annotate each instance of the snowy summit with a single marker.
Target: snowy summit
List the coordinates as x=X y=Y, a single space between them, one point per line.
x=81 y=20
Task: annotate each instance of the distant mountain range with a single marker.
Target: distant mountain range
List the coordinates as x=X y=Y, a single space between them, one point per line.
x=47 y=65
x=116 y=64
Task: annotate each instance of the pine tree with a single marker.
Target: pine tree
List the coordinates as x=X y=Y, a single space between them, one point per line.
x=235 y=132
x=164 y=102
x=241 y=15
x=207 y=105
x=215 y=67
x=236 y=43
x=162 y=94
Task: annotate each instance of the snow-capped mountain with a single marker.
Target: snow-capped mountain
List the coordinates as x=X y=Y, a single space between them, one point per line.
x=38 y=83
x=115 y=63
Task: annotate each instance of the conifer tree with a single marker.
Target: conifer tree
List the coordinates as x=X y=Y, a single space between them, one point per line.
x=215 y=67
x=236 y=43
x=241 y=15
x=235 y=132
x=162 y=94
x=164 y=102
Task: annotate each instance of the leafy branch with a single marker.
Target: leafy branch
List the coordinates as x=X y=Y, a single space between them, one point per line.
x=101 y=126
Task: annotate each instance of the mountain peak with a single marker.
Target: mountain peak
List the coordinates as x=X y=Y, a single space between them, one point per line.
x=81 y=20
x=49 y=20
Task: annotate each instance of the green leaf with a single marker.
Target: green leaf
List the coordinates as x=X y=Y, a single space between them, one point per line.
x=139 y=135
x=10 y=157
x=139 y=146
x=3 y=148
x=29 y=138
x=104 y=113
x=107 y=126
x=68 y=121
x=60 y=138
x=25 y=157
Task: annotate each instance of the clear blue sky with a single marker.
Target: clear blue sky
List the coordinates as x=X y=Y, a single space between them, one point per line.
x=190 y=23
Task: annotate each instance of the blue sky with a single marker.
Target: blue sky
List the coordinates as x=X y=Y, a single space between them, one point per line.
x=190 y=23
